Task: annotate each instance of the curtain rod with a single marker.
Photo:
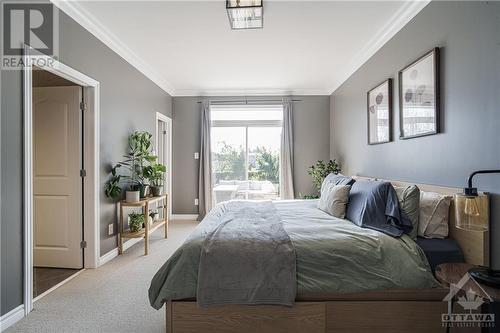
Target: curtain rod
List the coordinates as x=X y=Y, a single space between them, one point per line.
x=250 y=101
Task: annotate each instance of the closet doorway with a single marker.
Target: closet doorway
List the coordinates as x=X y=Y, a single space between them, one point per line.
x=58 y=124
x=61 y=178
x=163 y=150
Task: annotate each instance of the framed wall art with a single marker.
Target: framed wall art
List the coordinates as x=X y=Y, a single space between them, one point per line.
x=379 y=113
x=419 y=97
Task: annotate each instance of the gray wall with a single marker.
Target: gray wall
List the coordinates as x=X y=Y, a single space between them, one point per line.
x=128 y=101
x=311 y=140
x=469 y=37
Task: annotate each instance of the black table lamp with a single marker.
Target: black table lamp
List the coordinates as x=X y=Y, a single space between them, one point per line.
x=472 y=213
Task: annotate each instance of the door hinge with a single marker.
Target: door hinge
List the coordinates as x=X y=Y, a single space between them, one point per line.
x=83 y=173
x=83 y=244
x=83 y=106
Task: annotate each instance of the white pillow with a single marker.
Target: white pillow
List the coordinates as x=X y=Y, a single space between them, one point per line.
x=334 y=199
x=433 y=215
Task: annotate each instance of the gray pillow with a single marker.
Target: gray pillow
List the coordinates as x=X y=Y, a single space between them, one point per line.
x=375 y=205
x=338 y=179
x=334 y=199
x=409 y=202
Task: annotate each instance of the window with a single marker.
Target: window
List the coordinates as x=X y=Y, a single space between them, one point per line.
x=246 y=144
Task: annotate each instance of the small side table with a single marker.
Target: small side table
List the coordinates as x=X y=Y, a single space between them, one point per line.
x=148 y=229
x=452 y=273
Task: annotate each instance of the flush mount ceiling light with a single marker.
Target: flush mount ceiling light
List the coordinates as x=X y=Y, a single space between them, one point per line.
x=245 y=14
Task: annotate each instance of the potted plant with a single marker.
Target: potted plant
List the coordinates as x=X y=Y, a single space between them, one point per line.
x=319 y=171
x=135 y=221
x=155 y=173
x=137 y=158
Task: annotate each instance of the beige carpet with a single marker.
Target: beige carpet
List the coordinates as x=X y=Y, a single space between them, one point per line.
x=112 y=298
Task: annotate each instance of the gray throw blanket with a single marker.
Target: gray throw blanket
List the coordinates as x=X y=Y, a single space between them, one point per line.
x=247 y=259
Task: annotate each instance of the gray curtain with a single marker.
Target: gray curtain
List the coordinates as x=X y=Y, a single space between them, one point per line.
x=205 y=171
x=286 y=184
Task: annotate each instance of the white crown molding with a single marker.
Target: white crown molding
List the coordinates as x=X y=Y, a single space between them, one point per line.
x=401 y=18
x=11 y=317
x=408 y=10
x=88 y=21
x=250 y=92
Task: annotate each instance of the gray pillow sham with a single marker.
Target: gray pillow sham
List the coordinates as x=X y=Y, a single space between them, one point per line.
x=338 y=179
x=334 y=199
x=409 y=202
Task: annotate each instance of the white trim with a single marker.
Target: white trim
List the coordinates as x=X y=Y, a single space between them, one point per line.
x=168 y=121
x=45 y=293
x=407 y=11
x=91 y=153
x=114 y=253
x=247 y=123
x=89 y=22
x=11 y=317
x=250 y=92
x=184 y=217
x=28 y=185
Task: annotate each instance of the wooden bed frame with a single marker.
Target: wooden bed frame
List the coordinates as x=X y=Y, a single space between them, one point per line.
x=412 y=310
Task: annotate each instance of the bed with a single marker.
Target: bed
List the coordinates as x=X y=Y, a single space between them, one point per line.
x=400 y=281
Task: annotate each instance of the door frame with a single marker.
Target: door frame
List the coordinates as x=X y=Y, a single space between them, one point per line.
x=168 y=121
x=91 y=186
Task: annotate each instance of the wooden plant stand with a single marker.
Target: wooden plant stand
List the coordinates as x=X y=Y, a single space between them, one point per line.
x=148 y=229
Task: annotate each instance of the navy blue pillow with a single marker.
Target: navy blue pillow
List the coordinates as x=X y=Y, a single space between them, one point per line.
x=375 y=205
x=440 y=251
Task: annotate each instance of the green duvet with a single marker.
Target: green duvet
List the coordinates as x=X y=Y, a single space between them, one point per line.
x=333 y=256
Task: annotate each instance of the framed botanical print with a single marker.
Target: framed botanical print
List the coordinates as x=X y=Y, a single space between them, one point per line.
x=419 y=97
x=379 y=111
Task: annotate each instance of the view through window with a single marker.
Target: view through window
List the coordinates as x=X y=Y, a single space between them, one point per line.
x=246 y=142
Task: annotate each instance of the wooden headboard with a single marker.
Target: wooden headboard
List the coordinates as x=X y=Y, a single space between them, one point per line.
x=474 y=244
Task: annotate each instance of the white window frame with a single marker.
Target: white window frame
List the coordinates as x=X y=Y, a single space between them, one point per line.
x=247 y=124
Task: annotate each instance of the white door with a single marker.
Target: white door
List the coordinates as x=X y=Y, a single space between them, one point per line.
x=57 y=149
x=164 y=151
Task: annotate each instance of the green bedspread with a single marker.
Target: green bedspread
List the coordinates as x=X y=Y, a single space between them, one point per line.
x=333 y=256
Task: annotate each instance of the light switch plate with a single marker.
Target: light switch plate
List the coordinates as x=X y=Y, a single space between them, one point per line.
x=196 y=156
x=110 y=229
x=196 y=202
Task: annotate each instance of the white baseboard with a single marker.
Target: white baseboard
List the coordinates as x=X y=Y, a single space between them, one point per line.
x=114 y=253
x=184 y=217
x=11 y=317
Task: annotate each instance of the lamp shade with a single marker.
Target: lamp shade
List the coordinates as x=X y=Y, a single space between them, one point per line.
x=245 y=14
x=472 y=211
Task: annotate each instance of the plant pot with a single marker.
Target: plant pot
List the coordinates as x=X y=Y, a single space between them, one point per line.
x=143 y=190
x=157 y=190
x=132 y=196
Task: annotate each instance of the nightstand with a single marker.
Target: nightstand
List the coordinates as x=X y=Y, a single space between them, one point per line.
x=457 y=275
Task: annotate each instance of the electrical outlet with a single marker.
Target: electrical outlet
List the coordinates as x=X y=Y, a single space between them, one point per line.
x=196 y=202
x=196 y=156
x=111 y=229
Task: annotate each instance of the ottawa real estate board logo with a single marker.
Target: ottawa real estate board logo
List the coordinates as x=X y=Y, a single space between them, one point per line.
x=465 y=300
x=32 y=24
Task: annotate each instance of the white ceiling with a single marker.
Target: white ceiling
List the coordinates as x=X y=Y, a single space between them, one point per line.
x=188 y=48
